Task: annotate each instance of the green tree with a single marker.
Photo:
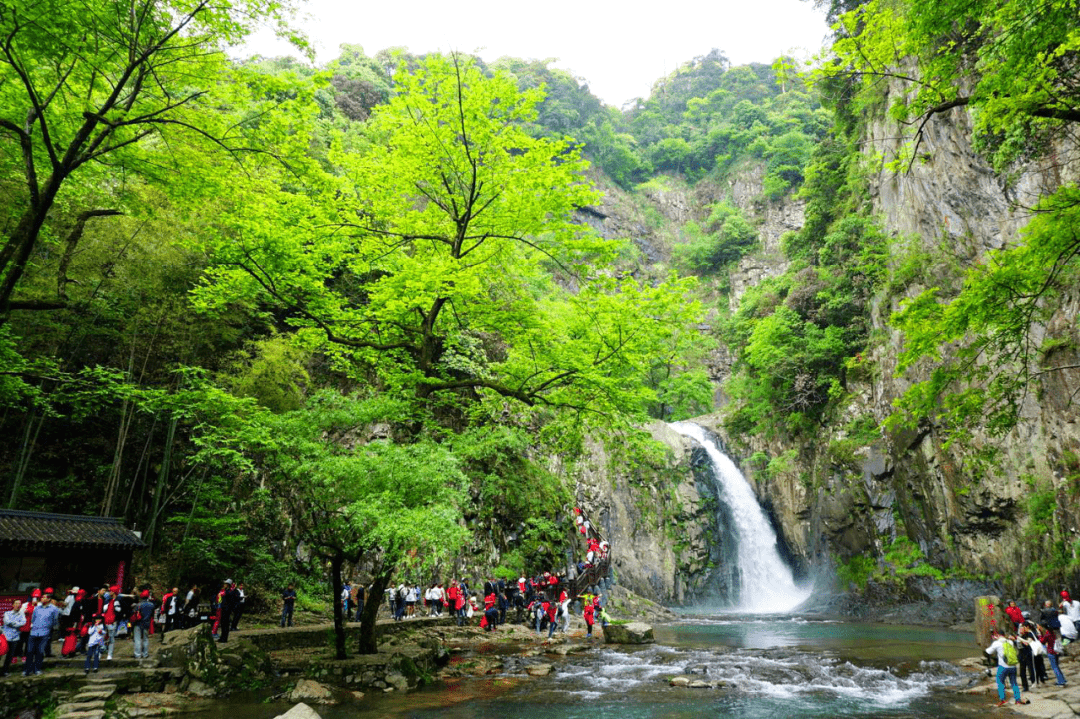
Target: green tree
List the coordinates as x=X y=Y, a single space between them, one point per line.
x=83 y=87
x=381 y=503
x=434 y=263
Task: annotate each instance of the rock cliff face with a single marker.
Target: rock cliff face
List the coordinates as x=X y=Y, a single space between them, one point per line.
x=960 y=510
x=654 y=516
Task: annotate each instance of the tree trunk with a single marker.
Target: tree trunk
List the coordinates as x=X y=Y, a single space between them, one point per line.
x=337 y=559
x=369 y=642
x=163 y=474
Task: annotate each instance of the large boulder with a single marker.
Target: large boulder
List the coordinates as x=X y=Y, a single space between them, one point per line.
x=300 y=711
x=989 y=615
x=632 y=633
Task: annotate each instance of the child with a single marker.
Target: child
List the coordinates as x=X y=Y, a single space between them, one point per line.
x=95 y=640
x=588 y=615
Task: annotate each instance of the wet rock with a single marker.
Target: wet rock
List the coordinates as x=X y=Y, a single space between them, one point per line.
x=679 y=681
x=700 y=684
x=300 y=711
x=632 y=633
x=398 y=681
x=696 y=669
x=538 y=670
x=307 y=690
x=200 y=688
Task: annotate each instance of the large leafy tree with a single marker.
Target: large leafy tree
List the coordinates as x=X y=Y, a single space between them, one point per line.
x=85 y=88
x=443 y=260
x=378 y=504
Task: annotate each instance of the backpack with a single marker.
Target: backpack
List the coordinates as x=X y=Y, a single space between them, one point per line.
x=1011 y=657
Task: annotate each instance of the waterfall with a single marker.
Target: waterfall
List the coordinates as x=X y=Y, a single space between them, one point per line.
x=763 y=582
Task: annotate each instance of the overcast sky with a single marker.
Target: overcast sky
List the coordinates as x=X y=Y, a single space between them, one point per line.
x=619 y=48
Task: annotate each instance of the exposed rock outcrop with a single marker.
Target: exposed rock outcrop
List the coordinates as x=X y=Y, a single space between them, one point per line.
x=631 y=633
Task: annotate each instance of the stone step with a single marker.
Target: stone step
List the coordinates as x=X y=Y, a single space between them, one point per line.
x=96 y=692
x=92 y=714
x=75 y=706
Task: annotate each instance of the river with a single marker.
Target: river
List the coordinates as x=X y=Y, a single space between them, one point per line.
x=775 y=668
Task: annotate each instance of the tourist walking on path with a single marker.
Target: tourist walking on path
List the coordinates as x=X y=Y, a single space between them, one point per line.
x=1008 y=659
x=45 y=618
x=95 y=640
x=288 y=603
x=14 y=620
x=140 y=625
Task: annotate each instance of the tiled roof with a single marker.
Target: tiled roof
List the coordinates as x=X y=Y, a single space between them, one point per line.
x=40 y=530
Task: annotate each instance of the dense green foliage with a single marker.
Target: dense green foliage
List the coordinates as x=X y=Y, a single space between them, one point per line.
x=348 y=308
x=248 y=305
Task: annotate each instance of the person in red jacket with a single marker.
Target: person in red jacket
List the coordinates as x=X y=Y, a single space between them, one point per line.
x=1015 y=614
x=589 y=614
x=452 y=593
x=491 y=611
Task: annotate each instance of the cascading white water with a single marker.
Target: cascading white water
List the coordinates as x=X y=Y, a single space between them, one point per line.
x=766 y=584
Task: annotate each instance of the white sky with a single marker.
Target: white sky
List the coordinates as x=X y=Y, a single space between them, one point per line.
x=620 y=48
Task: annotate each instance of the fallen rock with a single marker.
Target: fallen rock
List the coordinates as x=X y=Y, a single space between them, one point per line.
x=699 y=684
x=538 y=670
x=632 y=633
x=300 y=711
x=680 y=681
x=312 y=691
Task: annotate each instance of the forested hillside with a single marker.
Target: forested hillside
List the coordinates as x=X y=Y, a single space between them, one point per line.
x=373 y=312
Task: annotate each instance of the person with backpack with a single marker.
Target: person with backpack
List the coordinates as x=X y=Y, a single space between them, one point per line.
x=141 y=617
x=1008 y=659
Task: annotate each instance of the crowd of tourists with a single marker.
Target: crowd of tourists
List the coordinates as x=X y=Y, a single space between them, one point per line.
x=542 y=600
x=91 y=622
x=1028 y=643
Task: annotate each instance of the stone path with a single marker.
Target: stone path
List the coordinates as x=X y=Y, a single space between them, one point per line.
x=89 y=701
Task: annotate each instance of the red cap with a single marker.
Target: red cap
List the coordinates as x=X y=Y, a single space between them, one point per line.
x=1065 y=594
x=145 y=594
x=114 y=589
x=49 y=590
x=35 y=593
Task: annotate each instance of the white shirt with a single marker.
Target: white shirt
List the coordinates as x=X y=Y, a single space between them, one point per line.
x=1068 y=627
x=999 y=647
x=1072 y=609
